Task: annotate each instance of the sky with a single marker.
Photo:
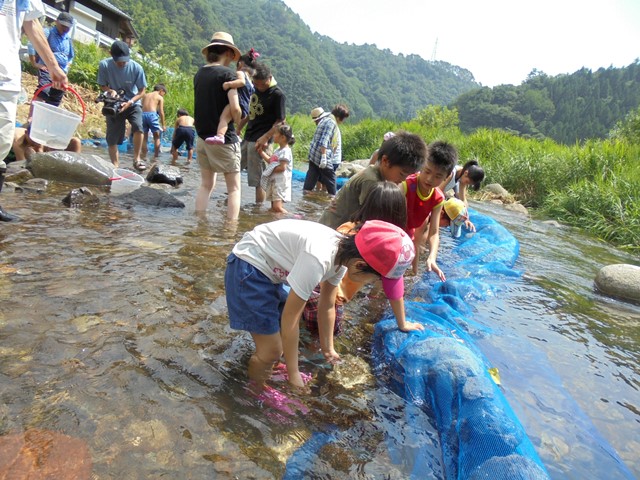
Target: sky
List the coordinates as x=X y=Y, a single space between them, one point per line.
x=499 y=41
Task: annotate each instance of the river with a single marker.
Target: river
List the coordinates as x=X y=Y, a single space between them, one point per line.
x=113 y=330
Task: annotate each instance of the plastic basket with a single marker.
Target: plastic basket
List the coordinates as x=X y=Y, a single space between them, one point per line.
x=124 y=181
x=54 y=126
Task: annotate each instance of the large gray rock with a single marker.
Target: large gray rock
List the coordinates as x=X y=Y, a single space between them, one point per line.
x=620 y=280
x=151 y=196
x=71 y=167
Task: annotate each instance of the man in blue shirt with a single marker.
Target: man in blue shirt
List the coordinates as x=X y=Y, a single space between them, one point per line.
x=121 y=74
x=62 y=47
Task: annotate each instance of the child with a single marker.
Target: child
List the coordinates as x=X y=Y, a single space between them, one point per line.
x=385 y=202
x=455 y=214
x=470 y=175
x=374 y=156
x=424 y=201
x=152 y=110
x=183 y=132
x=245 y=70
x=303 y=254
x=400 y=156
x=276 y=178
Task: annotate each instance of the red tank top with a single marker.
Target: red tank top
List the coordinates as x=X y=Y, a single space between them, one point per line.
x=419 y=206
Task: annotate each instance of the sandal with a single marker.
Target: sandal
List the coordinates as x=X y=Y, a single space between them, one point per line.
x=140 y=165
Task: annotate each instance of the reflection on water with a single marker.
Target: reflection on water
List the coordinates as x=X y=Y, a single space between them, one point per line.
x=113 y=330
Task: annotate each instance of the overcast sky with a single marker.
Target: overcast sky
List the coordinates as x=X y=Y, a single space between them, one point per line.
x=499 y=41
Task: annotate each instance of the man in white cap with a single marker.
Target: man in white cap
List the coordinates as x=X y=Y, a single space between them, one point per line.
x=61 y=45
x=121 y=74
x=321 y=153
x=14 y=16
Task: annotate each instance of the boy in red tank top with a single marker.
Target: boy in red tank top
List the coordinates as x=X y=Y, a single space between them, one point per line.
x=425 y=200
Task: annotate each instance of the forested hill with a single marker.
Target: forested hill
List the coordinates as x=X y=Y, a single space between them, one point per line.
x=567 y=108
x=311 y=69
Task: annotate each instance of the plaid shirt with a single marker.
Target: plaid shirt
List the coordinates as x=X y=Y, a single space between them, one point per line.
x=323 y=138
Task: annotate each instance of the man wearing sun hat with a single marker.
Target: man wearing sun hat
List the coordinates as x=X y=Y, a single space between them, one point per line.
x=321 y=153
x=61 y=45
x=121 y=74
x=210 y=100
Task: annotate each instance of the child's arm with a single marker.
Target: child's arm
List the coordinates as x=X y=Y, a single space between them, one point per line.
x=282 y=166
x=161 y=113
x=264 y=156
x=433 y=241
x=290 y=333
x=234 y=105
x=397 y=306
x=327 y=320
x=237 y=83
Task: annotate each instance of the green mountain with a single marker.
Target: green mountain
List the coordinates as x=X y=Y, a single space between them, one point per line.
x=567 y=108
x=311 y=69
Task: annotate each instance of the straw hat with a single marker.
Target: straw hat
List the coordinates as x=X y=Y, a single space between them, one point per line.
x=318 y=113
x=225 y=40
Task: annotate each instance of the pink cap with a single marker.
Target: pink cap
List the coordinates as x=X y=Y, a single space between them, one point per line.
x=389 y=250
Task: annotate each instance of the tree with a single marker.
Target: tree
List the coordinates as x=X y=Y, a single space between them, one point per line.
x=436 y=116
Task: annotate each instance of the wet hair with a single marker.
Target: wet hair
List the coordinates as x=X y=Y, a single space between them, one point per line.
x=340 y=111
x=182 y=112
x=405 y=149
x=386 y=202
x=442 y=155
x=214 y=52
x=475 y=172
x=160 y=87
x=262 y=71
x=347 y=250
x=287 y=131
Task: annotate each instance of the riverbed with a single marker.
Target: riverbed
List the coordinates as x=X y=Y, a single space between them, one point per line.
x=113 y=330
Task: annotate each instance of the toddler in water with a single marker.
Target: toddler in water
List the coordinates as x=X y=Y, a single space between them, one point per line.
x=245 y=70
x=276 y=178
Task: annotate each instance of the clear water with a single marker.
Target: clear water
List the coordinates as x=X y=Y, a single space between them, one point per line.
x=113 y=330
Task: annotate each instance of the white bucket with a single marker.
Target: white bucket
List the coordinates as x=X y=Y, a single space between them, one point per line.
x=125 y=181
x=52 y=126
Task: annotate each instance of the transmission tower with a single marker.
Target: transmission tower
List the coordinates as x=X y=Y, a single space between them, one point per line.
x=435 y=49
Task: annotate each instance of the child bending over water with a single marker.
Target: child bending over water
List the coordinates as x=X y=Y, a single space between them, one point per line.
x=303 y=254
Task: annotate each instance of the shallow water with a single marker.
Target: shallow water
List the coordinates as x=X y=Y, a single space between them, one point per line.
x=113 y=329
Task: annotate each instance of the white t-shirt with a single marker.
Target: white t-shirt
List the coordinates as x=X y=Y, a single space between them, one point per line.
x=11 y=21
x=297 y=252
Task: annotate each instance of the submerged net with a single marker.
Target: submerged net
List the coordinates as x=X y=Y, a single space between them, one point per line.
x=442 y=371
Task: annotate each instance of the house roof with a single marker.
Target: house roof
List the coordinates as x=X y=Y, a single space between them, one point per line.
x=111 y=7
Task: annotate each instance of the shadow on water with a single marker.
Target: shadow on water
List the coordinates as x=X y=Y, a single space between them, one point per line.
x=113 y=329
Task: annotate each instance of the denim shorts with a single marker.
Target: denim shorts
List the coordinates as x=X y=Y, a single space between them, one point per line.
x=255 y=303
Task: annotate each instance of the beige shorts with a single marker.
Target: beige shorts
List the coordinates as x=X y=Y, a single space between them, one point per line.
x=218 y=158
x=255 y=163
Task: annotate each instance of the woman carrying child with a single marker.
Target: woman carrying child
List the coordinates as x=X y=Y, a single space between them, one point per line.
x=276 y=178
x=303 y=254
x=244 y=86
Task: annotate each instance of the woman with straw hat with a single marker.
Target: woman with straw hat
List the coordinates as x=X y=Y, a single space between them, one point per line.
x=210 y=101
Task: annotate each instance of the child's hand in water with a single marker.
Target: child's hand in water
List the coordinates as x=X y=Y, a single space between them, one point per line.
x=411 y=327
x=432 y=266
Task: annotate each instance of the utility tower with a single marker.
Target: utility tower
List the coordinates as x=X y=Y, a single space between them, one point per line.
x=435 y=48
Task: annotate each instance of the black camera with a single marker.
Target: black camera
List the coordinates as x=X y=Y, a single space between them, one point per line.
x=112 y=105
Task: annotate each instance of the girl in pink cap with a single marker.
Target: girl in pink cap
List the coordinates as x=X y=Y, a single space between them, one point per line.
x=303 y=254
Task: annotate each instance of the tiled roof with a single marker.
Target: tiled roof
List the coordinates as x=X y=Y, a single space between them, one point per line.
x=111 y=7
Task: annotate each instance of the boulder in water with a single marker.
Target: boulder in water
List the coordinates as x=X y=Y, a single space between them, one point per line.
x=620 y=280
x=151 y=196
x=81 y=197
x=160 y=173
x=71 y=167
x=44 y=454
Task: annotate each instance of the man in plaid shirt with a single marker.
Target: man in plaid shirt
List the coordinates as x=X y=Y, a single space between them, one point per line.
x=321 y=153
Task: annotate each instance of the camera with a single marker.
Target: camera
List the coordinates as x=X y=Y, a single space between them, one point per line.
x=112 y=105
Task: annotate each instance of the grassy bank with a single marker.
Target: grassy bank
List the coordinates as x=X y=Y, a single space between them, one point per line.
x=594 y=186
